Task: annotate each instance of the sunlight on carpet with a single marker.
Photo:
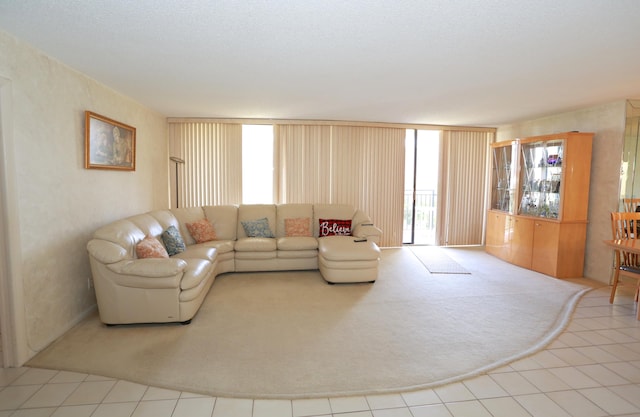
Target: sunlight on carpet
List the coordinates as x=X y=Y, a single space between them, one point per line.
x=436 y=261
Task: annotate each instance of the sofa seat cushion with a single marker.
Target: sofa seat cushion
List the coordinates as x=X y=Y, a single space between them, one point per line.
x=345 y=249
x=297 y=243
x=198 y=251
x=256 y=244
x=196 y=271
x=222 y=246
x=255 y=255
x=297 y=254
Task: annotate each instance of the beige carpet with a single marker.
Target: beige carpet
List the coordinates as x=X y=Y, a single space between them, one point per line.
x=290 y=335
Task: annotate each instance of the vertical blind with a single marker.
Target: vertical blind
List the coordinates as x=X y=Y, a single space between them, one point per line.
x=304 y=163
x=462 y=195
x=358 y=165
x=212 y=172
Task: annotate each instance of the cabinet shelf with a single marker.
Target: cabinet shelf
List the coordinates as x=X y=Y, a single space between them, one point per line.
x=540 y=195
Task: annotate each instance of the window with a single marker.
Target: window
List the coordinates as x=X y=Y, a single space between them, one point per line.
x=257 y=164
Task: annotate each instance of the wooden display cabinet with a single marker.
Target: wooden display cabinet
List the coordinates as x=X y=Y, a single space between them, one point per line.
x=540 y=223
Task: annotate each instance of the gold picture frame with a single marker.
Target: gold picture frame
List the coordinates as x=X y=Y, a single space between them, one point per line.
x=109 y=144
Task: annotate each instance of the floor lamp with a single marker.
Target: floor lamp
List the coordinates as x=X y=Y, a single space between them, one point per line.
x=178 y=161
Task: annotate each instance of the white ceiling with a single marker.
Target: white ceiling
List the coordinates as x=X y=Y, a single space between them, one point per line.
x=453 y=62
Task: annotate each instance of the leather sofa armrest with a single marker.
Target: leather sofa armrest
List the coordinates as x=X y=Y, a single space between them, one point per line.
x=149 y=267
x=106 y=252
x=368 y=231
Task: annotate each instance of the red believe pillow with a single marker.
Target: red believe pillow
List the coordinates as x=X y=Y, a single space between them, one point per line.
x=333 y=227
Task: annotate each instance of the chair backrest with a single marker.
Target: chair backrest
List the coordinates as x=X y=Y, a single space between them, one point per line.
x=625 y=225
x=630 y=204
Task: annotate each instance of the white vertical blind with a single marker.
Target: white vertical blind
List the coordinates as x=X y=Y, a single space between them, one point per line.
x=304 y=161
x=462 y=198
x=367 y=171
x=212 y=172
x=360 y=166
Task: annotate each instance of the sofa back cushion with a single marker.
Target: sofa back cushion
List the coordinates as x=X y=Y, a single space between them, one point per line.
x=149 y=225
x=250 y=212
x=165 y=218
x=330 y=212
x=224 y=220
x=288 y=213
x=123 y=233
x=187 y=215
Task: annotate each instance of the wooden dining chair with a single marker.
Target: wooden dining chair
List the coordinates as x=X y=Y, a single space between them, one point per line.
x=625 y=225
x=630 y=204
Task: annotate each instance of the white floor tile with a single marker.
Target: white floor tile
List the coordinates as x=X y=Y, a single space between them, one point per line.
x=124 y=391
x=311 y=407
x=377 y=402
x=544 y=380
x=609 y=401
x=237 y=407
x=348 y=404
x=90 y=392
x=194 y=407
x=454 y=392
x=422 y=397
x=539 y=405
x=272 y=408
x=467 y=408
x=50 y=395
x=160 y=408
x=514 y=383
x=434 y=410
x=115 y=409
x=504 y=407
x=484 y=387
x=75 y=411
x=574 y=378
x=576 y=404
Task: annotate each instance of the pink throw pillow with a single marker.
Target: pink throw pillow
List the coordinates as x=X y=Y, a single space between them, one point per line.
x=201 y=231
x=297 y=227
x=333 y=227
x=151 y=247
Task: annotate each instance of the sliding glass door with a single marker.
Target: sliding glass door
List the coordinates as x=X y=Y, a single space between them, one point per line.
x=422 y=155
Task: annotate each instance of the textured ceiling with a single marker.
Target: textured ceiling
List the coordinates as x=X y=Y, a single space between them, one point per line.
x=454 y=62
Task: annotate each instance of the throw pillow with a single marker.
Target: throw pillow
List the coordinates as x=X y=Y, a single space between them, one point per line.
x=257 y=228
x=173 y=241
x=201 y=231
x=151 y=247
x=333 y=227
x=297 y=227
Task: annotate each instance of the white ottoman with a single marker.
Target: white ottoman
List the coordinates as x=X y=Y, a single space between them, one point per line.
x=344 y=259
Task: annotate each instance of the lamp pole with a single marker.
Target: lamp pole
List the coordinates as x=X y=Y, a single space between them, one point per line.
x=177 y=161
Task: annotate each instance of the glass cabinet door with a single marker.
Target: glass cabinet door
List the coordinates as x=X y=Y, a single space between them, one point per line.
x=503 y=182
x=541 y=178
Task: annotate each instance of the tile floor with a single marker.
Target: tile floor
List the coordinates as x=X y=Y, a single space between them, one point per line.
x=592 y=369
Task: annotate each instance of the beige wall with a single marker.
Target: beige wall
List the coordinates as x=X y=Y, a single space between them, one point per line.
x=54 y=204
x=608 y=123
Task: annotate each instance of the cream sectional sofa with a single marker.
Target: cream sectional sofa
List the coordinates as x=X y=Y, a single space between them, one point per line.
x=133 y=289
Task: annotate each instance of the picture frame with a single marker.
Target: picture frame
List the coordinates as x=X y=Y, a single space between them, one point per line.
x=109 y=144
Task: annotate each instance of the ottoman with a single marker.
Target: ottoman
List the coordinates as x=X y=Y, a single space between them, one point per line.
x=344 y=259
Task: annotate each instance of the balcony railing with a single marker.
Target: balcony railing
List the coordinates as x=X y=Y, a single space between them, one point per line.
x=425 y=217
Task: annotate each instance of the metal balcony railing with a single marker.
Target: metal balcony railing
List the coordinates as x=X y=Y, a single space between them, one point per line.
x=425 y=217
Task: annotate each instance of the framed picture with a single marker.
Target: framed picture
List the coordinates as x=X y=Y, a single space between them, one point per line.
x=108 y=144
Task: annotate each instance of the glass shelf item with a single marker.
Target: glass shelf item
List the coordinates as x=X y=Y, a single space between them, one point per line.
x=503 y=181
x=541 y=178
